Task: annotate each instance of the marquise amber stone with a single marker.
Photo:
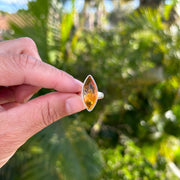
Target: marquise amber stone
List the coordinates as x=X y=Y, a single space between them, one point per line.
x=90 y=92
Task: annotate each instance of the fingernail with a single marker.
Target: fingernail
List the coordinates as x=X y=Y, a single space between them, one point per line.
x=74 y=104
x=78 y=82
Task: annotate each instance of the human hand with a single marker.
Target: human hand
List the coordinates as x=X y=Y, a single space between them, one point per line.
x=23 y=74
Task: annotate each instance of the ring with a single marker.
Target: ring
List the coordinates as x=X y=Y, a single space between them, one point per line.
x=90 y=94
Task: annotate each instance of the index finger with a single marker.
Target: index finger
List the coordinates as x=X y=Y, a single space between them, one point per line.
x=24 y=69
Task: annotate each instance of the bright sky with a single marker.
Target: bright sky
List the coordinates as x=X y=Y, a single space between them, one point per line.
x=12 y=6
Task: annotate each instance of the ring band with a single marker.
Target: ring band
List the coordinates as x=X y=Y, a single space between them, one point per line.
x=100 y=95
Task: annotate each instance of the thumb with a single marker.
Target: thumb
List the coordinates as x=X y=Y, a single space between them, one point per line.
x=21 y=122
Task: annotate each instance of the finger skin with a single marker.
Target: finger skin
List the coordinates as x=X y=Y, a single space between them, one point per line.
x=30 y=71
x=18 y=94
x=24 y=92
x=6 y=95
x=19 y=46
x=9 y=105
x=23 y=45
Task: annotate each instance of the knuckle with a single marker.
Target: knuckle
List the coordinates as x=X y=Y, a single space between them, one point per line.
x=64 y=74
x=29 y=47
x=24 y=61
x=28 y=41
x=48 y=114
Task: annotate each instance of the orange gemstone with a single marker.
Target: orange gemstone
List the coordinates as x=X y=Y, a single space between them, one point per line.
x=89 y=93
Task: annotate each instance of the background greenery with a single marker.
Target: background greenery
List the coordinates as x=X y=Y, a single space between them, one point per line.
x=134 y=55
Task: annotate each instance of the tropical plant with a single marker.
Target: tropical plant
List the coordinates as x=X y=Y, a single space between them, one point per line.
x=132 y=133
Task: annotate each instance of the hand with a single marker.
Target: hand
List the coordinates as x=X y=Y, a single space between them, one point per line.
x=22 y=74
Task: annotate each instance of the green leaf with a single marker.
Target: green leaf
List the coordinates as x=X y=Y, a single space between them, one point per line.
x=79 y=157
x=168 y=8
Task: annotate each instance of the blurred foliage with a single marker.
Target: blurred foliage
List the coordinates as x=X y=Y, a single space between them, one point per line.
x=126 y=162
x=133 y=133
